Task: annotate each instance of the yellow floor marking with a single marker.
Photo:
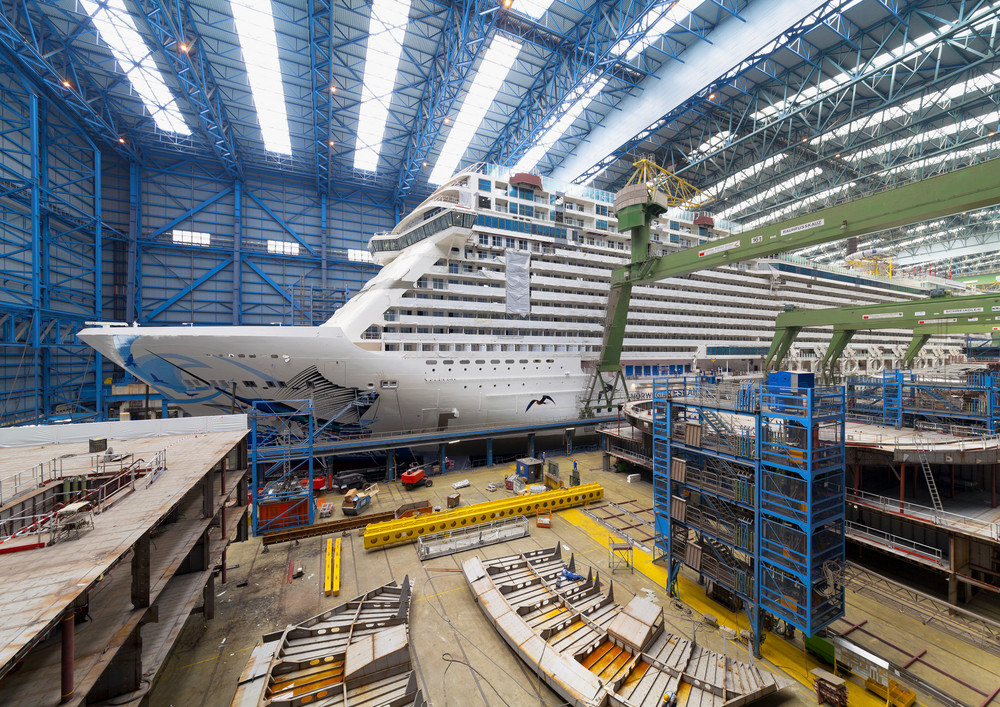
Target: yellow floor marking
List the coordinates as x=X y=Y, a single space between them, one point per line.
x=215 y=657
x=427 y=597
x=779 y=652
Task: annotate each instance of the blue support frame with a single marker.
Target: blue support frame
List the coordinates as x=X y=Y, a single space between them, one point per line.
x=765 y=500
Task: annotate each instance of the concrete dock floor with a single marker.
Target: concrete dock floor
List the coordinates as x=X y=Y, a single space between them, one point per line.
x=460 y=659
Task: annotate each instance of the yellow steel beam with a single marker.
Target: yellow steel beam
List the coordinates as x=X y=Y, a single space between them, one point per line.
x=336 y=569
x=328 y=576
x=407 y=530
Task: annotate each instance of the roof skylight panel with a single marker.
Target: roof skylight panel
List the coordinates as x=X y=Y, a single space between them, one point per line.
x=490 y=76
x=115 y=25
x=255 y=28
x=654 y=28
x=773 y=191
x=385 y=43
x=555 y=127
x=532 y=8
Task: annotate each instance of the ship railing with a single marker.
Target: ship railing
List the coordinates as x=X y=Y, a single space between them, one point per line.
x=943 y=518
x=56 y=469
x=895 y=542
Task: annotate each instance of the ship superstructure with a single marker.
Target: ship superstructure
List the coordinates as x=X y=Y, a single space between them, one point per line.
x=492 y=294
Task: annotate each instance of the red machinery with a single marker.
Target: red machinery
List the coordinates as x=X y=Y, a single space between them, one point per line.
x=415 y=476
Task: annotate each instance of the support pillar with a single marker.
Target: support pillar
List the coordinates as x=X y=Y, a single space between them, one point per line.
x=993 y=487
x=207 y=497
x=902 y=485
x=222 y=517
x=66 y=628
x=390 y=464
x=489 y=451
x=208 y=594
x=531 y=444
x=442 y=456
x=952 y=481
x=606 y=462
x=140 y=572
x=569 y=440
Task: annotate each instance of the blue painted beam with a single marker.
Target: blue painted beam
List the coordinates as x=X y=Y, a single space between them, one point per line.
x=187 y=290
x=191 y=212
x=278 y=220
x=169 y=24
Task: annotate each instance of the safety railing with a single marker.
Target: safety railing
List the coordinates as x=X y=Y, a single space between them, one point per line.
x=895 y=542
x=916 y=510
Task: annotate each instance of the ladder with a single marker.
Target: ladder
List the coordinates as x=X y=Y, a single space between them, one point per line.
x=931 y=485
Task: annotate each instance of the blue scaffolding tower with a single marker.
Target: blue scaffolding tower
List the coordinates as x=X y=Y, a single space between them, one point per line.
x=749 y=493
x=901 y=398
x=281 y=455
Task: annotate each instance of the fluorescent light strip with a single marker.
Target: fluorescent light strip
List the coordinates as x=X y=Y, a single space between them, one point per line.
x=255 y=28
x=554 y=128
x=385 y=43
x=490 y=76
x=116 y=27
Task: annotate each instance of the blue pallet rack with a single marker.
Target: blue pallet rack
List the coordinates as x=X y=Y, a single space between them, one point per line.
x=749 y=492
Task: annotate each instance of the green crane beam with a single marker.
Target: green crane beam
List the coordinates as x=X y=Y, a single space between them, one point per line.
x=959 y=314
x=964 y=189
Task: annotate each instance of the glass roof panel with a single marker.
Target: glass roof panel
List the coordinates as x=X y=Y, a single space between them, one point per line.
x=555 y=128
x=255 y=28
x=116 y=27
x=385 y=43
x=489 y=78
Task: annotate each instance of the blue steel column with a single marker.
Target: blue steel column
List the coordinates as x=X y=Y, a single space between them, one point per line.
x=98 y=275
x=757 y=484
x=324 y=243
x=36 y=270
x=45 y=253
x=133 y=286
x=237 y=253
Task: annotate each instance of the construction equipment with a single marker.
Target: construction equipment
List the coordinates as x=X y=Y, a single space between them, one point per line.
x=543 y=518
x=409 y=529
x=355 y=502
x=416 y=476
x=965 y=189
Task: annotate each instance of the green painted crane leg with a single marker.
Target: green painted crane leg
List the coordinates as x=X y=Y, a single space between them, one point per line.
x=841 y=338
x=614 y=328
x=782 y=341
x=914 y=348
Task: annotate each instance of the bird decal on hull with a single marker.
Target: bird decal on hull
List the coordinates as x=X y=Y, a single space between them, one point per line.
x=544 y=399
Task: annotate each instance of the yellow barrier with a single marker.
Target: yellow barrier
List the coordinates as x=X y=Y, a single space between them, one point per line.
x=336 y=569
x=327 y=587
x=407 y=530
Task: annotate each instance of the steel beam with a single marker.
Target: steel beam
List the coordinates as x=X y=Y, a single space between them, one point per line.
x=408 y=530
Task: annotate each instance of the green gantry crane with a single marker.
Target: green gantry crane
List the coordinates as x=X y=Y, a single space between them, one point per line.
x=960 y=314
x=637 y=204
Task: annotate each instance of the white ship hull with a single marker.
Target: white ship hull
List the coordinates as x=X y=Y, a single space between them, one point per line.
x=196 y=368
x=492 y=295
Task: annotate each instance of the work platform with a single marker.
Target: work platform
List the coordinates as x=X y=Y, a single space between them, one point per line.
x=890 y=503
x=116 y=597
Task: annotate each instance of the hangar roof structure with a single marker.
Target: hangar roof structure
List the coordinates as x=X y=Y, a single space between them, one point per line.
x=773 y=107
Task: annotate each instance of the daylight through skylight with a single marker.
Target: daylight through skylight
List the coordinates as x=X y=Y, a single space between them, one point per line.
x=116 y=27
x=532 y=8
x=385 y=42
x=255 y=28
x=655 y=28
x=554 y=128
x=489 y=78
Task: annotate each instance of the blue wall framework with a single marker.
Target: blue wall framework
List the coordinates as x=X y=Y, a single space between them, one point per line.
x=86 y=235
x=748 y=489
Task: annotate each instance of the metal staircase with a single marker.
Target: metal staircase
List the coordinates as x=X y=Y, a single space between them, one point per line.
x=931 y=484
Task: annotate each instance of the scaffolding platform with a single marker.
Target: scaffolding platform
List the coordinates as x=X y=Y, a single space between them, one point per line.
x=619 y=554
